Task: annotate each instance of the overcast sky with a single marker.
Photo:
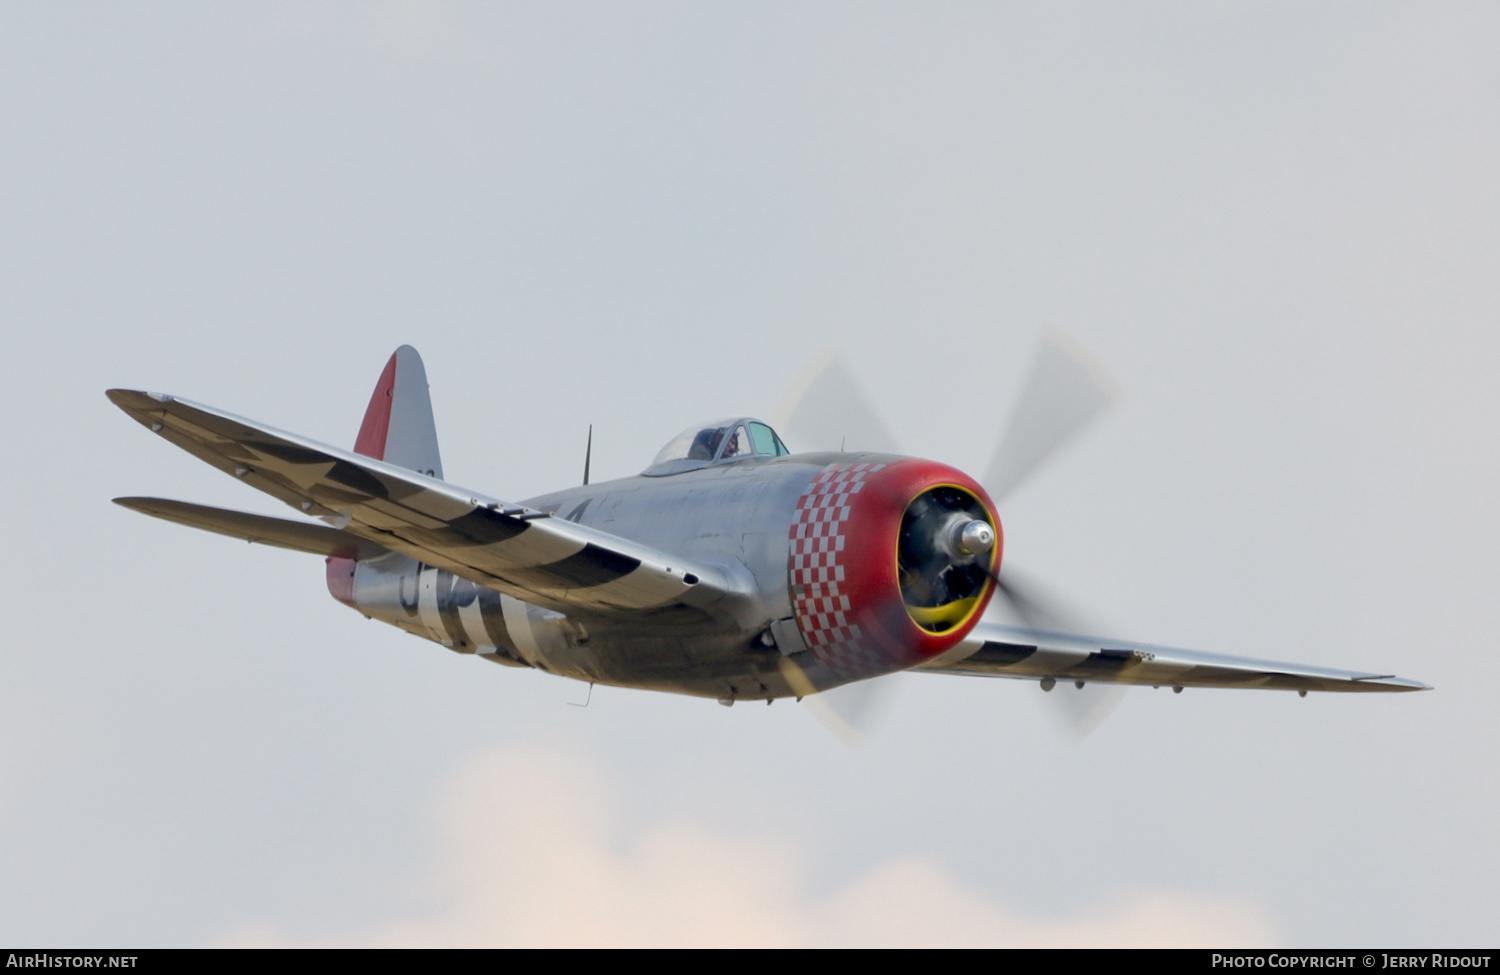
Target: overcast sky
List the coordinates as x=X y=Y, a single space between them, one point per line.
x=1277 y=224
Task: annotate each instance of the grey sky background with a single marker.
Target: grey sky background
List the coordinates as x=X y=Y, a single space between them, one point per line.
x=1277 y=224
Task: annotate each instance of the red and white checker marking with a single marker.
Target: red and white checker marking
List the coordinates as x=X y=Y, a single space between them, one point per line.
x=819 y=573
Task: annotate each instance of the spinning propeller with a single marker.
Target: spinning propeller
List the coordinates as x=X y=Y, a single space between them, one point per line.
x=944 y=552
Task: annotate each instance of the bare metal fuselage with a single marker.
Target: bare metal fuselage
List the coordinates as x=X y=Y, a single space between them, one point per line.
x=734 y=516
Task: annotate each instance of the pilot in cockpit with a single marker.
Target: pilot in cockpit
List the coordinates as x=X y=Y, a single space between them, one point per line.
x=716 y=442
x=706 y=444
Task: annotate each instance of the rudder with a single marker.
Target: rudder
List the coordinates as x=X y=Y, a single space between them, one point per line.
x=398 y=427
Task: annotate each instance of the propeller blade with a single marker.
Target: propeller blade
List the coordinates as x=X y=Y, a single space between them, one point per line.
x=1035 y=610
x=850 y=711
x=827 y=410
x=1067 y=388
x=1079 y=710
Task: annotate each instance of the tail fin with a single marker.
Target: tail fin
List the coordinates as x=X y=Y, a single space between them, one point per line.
x=398 y=429
x=398 y=426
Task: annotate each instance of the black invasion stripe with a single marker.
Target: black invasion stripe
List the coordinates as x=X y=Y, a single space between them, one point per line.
x=1002 y=654
x=448 y=587
x=357 y=478
x=494 y=622
x=291 y=453
x=1104 y=662
x=483 y=526
x=592 y=566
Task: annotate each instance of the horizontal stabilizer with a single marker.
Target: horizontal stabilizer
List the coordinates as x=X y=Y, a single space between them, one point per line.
x=995 y=650
x=295 y=535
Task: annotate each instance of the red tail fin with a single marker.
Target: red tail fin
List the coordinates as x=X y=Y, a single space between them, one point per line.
x=397 y=429
x=377 y=424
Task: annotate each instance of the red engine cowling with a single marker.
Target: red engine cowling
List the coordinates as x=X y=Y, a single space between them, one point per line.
x=891 y=563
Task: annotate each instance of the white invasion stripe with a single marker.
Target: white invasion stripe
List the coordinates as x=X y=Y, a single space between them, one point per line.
x=473 y=622
x=1051 y=660
x=519 y=626
x=427 y=607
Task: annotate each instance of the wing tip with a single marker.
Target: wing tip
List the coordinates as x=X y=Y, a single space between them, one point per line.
x=136 y=399
x=1390 y=682
x=146 y=506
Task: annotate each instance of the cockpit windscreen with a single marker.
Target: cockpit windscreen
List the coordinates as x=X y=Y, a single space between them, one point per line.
x=719 y=440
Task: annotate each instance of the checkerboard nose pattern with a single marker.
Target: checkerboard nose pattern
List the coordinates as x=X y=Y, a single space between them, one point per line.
x=819 y=571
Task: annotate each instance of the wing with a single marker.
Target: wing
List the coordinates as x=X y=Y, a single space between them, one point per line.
x=518 y=551
x=996 y=650
x=296 y=535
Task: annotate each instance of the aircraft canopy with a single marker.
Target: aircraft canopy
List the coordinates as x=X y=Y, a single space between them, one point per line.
x=717 y=441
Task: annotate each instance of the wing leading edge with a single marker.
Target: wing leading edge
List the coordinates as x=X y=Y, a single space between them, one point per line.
x=997 y=650
x=508 y=547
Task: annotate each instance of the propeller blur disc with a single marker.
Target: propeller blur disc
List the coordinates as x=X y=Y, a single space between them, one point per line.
x=1066 y=390
x=1077 y=710
x=827 y=410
